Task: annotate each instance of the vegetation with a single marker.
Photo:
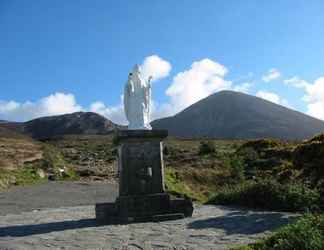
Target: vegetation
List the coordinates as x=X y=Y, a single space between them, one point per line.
x=22 y=176
x=49 y=164
x=270 y=195
x=306 y=234
x=285 y=177
x=266 y=174
x=206 y=148
x=176 y=186
x=198 y=175
x=92 y=157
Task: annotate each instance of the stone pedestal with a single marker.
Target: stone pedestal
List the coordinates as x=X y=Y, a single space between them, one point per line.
x=142 y=195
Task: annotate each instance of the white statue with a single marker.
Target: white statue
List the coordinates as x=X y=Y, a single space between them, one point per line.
x=137 y=100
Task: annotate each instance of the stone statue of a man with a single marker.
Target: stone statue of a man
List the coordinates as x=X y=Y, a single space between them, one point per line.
x=137 y=100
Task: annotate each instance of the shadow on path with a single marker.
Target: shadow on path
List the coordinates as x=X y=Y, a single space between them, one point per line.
x=243 y=222
x=26 y=230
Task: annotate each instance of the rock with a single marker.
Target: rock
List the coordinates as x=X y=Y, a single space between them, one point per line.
x=41 y=173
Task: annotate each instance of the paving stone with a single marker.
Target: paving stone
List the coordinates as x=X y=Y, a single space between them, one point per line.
x=211 y=227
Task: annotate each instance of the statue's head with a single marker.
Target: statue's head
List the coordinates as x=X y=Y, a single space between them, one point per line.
x=135 y=75
x=136 y=69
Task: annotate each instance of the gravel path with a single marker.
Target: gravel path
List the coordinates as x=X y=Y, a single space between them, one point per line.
x=73 y=227
x=54 y=195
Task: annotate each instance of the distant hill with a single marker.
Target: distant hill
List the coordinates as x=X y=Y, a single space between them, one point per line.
x=79 y=123
x=10 y=133
x=234 y=115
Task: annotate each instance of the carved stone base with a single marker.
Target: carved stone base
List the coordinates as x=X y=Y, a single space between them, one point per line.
x=155 y=207
x=142 y=195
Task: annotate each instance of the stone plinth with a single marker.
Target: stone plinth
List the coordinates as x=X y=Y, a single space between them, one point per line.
x=142 y=196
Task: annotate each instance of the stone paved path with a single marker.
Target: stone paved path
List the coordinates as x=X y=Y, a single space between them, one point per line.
x=211 y=227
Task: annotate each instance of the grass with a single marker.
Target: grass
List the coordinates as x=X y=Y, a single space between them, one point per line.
x=176 y=186
x=95 y=154
x=22 y=176
x=305 y=234
x=270 y=195
x=29 y=173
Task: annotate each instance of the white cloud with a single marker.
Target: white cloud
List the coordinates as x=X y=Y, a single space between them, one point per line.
x=314 y=94
x=202 y=79
x=243 y=87
x=156 y=67
x=269 y=96
x=272 y=97
x=315 y=98
x=271 y=75
x=55 y=104
x=114 y=113
x=296 y=82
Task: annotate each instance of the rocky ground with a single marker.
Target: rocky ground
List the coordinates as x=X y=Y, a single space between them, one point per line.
x=61 y=216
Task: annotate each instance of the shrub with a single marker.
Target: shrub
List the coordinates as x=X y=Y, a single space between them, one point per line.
x=309 y=158
x=317 y=138
x=269 y=194
x=260 y=144
x=237 y=167
x=306 y=234
x=206 y=147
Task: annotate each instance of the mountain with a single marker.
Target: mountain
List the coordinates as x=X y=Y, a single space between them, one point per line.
x=10 y=133
x=234 y=115
x=79 y=123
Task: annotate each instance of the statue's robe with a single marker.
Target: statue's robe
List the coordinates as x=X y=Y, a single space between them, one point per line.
x=137 y=95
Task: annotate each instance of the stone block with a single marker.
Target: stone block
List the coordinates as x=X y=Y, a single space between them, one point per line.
x=142 y=195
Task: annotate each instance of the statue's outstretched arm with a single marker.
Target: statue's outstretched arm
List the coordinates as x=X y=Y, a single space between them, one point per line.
x=147 y=94
x=127 y=96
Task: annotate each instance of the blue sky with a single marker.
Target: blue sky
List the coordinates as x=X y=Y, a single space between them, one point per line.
x=63 y=56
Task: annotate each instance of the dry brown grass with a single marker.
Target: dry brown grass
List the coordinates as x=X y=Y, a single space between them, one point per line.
x=15 y=152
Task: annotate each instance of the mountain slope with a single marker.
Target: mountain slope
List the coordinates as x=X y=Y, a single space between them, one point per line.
x=79 y=123
x=234 y=115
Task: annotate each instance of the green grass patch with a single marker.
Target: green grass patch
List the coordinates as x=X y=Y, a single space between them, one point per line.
x=22 y=176
x=269 y=195
x=175 y=185
x=305 y=234
x=30 y=173
x=52 y=158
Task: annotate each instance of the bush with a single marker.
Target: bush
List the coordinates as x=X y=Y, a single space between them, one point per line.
x=308 y=157
x=237 y=167
x=306 y=234
x=269 y=194
x=317 y=138
x=260 y=145
x=206 y=148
